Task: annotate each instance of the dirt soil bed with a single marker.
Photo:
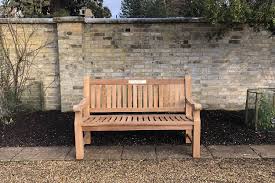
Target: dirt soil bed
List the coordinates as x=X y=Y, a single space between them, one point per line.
x=55 y=128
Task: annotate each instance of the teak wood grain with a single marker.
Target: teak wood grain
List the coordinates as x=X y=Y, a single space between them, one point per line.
x=129 y=100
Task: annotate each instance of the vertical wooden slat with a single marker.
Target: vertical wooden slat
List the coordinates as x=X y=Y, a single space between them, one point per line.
x=139 y=96
x=161 y=95
x=150 y=96
x=188 y=93
x=98 y=96
x=130 y=96
x=166 y=91
x=93 y=99
x=134 y=96
x=145 y=94
x=103 y=96
x=124 y=96
x=177 y=95
x=114 y=97
x=109 y=96
x=119 y=96
x=156 y=96
x=182 y=95
x=172 y=95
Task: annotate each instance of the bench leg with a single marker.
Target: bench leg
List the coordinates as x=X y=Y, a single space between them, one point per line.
x=196 y=142
x=87 y=138
x=79 y=142
x=188 y=136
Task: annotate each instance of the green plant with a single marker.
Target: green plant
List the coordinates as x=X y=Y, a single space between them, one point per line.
x=256 y=13
x=61 y=13
x=266 y=112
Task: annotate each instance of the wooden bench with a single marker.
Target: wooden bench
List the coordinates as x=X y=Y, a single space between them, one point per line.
x=130 y=105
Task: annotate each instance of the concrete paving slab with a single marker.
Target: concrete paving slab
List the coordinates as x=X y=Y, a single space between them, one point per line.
x=42 y=153
x=234 y=151
x=99 y=153
x=7 y=153
x=179 y=152
x=265 y=151
x=145 y=152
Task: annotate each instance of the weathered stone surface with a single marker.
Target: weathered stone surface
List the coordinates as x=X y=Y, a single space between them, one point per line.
x=139 y=152
x=179 y=152
x=265 y=151
x=99 y=153
x=222 y=69
x=234 y=151
x=7 y=153
x=42 y=153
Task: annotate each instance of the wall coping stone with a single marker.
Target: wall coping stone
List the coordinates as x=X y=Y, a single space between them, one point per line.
x=76 y=19
x=145 y=20
x=71 y=19
x=26 y=20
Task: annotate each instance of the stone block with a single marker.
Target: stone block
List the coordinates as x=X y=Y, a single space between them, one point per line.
x=233 y=151
x=265 y=151
x=179 y=152
x=139 y=152
x=8 y=153
x=98 y=153
x=42 y=153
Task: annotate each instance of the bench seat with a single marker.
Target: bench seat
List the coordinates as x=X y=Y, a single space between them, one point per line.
x=141 y=121
x=139 y=104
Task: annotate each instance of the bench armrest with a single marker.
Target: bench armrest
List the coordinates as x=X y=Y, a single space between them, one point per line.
x=193 y=110
x=79 y=107
x=195 y=106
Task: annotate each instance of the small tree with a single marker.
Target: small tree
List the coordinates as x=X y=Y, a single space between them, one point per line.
x=18 y=56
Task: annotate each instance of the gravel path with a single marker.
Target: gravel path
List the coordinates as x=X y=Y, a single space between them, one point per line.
x=229 y=170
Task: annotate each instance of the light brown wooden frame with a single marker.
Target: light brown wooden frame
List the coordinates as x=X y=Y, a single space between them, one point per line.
x=85 y=108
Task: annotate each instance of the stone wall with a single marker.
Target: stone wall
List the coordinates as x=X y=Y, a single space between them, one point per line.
x=45 y=67
x=222 y=69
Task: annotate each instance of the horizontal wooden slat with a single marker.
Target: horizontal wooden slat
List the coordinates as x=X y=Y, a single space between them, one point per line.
x=135 y=128
x=126 y=81
x=164 y=109
x=128 y=122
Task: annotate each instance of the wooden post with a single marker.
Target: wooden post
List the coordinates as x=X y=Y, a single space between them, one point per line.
x=188 y=93
x=196 y=135
x=86 y=94
x=79 y=142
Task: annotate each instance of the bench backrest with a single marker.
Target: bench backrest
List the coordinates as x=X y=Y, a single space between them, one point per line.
x=142 y=95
